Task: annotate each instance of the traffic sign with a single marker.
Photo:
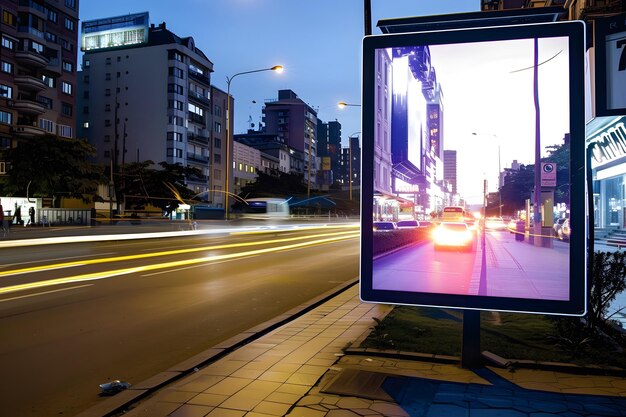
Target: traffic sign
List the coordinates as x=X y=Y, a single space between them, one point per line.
x=548 y=174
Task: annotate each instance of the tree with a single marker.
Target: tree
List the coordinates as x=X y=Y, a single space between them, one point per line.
x=49 y=166
x=274 y=186
x=164 y=188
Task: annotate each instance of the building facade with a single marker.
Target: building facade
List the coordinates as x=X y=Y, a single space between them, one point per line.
x=38 y=58
x=295 y=123
x=246 y=163
x=146 y=95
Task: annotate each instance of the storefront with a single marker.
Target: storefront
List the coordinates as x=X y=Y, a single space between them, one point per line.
x=606 y=142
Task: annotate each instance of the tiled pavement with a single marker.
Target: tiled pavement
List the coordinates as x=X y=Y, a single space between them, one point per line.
x=294 y=371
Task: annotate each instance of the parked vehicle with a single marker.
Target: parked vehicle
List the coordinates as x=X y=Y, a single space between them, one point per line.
x=453 y=235
x=557 y=225
x=565 y=231
x=385 y=226
x=408 y=224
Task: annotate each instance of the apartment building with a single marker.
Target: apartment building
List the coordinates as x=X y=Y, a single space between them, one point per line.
x=37 y=70
x=146 y=95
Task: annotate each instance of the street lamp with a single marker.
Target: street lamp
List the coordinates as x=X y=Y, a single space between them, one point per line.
x=343 y=104
x=278 y=69
x=499 y=171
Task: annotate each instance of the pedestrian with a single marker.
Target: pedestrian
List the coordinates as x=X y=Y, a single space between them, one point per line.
x=18 y=215
x=31 y=216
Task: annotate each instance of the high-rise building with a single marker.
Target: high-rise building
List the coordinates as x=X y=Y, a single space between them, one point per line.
x=329 y=148
x=295 y=122
x=146 y=95
x=449 y=169
x=38 y=70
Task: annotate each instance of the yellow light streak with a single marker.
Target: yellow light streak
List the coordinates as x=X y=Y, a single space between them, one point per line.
x=206 y=259
x=84 y=262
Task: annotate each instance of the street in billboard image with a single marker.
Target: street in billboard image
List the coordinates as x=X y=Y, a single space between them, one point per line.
x=458 y=145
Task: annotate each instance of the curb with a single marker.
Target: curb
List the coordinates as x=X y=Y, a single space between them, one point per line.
x=120 y=402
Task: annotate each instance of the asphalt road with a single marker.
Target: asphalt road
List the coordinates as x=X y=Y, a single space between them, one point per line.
x=73 y=316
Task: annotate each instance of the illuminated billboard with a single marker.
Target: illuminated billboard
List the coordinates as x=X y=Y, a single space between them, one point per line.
x=115 y=32
x=514 y=107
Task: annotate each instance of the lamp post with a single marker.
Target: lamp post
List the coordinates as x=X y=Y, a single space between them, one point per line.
x=499 y=172
x=277 y=68
x=350 y=162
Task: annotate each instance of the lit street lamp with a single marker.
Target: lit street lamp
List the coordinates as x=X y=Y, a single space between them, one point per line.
x=343 y=104
x=277 y=68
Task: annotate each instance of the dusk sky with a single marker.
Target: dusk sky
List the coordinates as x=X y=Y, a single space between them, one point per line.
x=318 y=43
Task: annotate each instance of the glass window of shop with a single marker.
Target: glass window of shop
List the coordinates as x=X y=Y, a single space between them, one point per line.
x=613 y=197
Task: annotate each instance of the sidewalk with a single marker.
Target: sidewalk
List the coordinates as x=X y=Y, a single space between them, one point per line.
x=300 y=370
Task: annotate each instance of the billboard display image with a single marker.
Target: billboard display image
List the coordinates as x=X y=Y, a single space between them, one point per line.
x=479 y=135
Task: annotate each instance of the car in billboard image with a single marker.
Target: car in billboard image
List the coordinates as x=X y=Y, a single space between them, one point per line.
x=385 y=226
x=495 y=223
x=408 y=224
x=453 y=235
x=564 y=231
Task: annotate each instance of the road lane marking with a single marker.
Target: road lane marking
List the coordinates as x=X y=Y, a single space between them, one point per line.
x=56 y=259
x=40 y=268
x=45 y=292
x=172 y=264
x=197 y=266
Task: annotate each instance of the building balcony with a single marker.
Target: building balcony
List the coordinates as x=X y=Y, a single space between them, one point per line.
x=31 y=59
x=201 y=78
x=196 y=118
x=197 y=138
x=33 y=7
x=198 y=159
x=27 y=106
x=198 y=98
x=27 y=131
x=29 y=83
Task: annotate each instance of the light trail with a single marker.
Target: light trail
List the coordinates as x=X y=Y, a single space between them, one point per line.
x=173 y=264
x=71 y=264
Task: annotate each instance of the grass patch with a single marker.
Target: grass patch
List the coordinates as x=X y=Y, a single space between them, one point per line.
x=509 y=335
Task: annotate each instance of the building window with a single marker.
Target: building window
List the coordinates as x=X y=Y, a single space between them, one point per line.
x=8 y=43
x=175 y=56
x=71 y=4
x=217 y=127
x=9 y=18
x=176 y=153
x=217 y=158
x=87 y=64
x=51 y=37
x=107 y=154
x=52 y=16
x=3 y=168
x=36 y=47
x=69 y=24
x=217 y=111
x=175 y=104
x=68 y=66
x=47 y=102
x=176 y=72
x=66 y=109
x=47 y=125
x=107 y=76
x=107 y=107
x=49 y=81
x=108 y=61
x=107 y=92
x=7 y=67
x=5 y=117
x=107 y=123
x=217 y=174
x=195 y=109
x=107 y=138
x=217 y=143
x=86 y=125
x=175 y=88
x=86 y=110
x=6 y=91
x=65 y=131
x=175 y=120
x=65 y=44
x=66 y=87
x=175 y=136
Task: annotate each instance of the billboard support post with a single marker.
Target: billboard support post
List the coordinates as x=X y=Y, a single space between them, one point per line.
x=471 y=356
